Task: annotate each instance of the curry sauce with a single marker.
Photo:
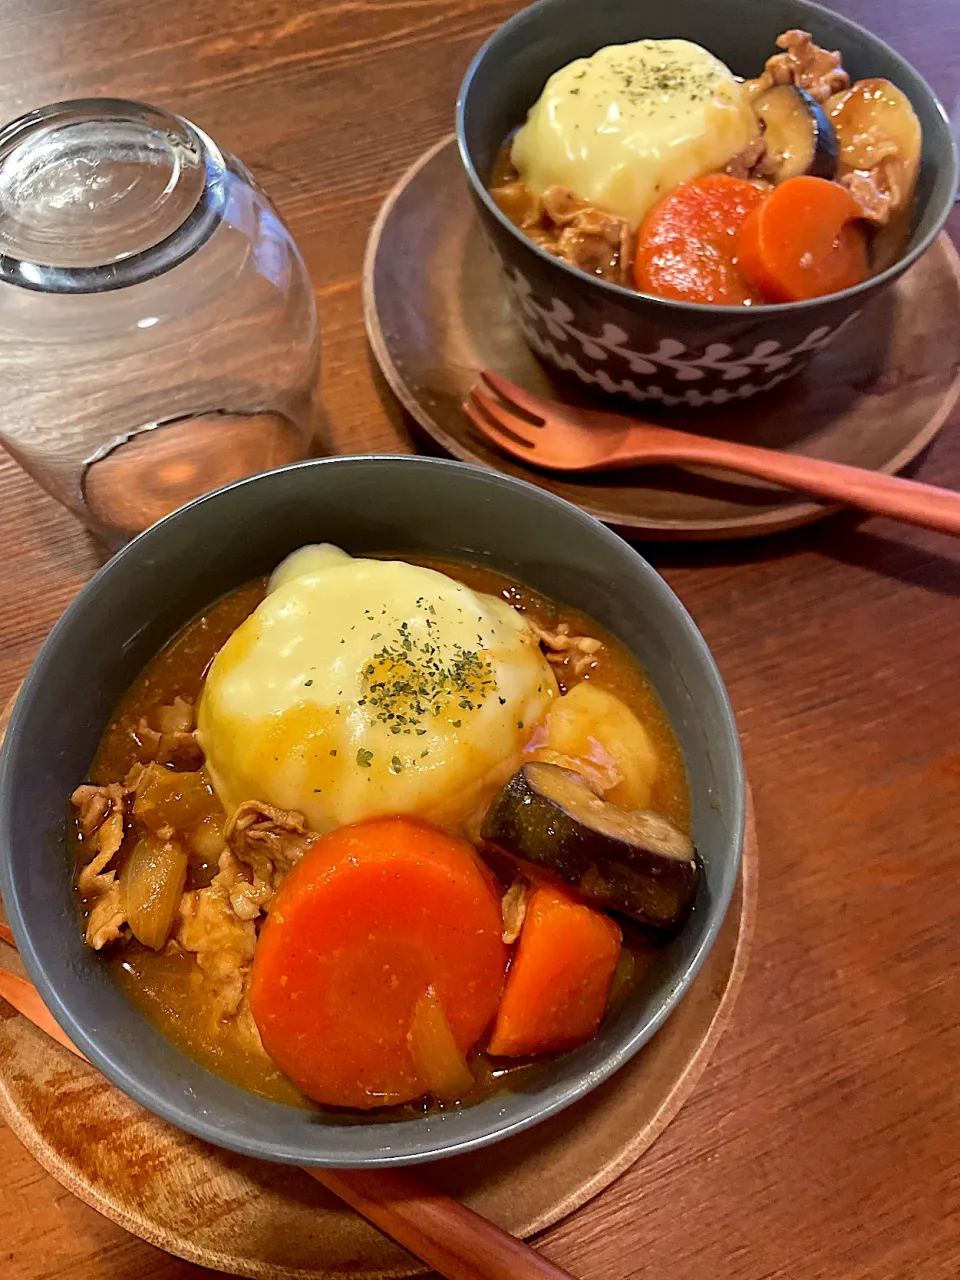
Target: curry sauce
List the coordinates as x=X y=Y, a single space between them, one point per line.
x=168 y=986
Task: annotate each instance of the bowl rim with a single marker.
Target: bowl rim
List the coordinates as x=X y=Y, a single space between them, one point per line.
x=673 y=306
x=427 y=1145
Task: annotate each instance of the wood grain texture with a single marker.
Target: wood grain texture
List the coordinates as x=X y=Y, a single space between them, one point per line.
x=251 y=1218
x=821 y=1144
x=424 y=1221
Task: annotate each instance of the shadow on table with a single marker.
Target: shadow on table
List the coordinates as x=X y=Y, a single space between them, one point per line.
x=839 y=537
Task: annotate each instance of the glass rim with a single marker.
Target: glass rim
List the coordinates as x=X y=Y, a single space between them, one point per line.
x=190 y=235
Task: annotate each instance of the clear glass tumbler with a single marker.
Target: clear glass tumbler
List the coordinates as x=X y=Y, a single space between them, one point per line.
x=158 y=330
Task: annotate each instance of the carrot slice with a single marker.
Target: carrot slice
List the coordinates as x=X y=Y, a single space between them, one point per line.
x=803 y=241
x=380 y=965
x=560 y=978
x=687 y=244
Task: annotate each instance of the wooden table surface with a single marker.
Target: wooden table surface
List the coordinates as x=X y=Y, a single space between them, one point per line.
x=823 y=1141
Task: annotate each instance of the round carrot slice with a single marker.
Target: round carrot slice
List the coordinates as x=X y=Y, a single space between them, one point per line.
x=687 y=244
x=380 y=965
x=803 y=241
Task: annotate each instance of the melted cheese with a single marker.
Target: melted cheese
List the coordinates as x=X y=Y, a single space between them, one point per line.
x=369 y=687
x=624 y=127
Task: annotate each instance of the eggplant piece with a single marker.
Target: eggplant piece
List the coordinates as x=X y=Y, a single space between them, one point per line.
x=880 y=141
x=798 y=135
x=638 y=863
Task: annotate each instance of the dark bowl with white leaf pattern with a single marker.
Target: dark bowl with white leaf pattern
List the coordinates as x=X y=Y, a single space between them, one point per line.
x=651 y=349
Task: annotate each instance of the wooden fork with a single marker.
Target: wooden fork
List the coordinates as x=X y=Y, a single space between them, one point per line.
x=558 y=437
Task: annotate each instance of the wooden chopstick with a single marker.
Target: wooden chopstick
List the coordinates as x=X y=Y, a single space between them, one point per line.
x=25 y=998
x=455 y=1241
x=452 y=1239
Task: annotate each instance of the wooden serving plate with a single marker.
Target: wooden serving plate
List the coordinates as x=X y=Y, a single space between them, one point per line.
x=437 y=312
x=272 y=1222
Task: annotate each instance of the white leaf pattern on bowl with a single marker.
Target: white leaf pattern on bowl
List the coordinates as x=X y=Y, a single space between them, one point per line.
x=670 y=356
x=695 y=399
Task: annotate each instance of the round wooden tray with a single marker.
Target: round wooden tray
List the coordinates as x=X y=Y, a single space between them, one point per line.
x=272 y=1222
x=437 y=312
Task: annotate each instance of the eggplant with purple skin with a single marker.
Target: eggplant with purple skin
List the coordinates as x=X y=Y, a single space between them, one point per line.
x=636 y=863
x=798 y=136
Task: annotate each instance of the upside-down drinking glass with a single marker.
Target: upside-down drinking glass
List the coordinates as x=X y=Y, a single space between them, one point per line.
x=158 y=331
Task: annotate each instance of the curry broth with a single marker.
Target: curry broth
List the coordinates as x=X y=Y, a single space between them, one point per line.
x=178 y=669
x=168 y=988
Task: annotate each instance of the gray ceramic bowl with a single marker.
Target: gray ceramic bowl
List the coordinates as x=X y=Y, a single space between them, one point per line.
x=144 y=595
x=627 y=343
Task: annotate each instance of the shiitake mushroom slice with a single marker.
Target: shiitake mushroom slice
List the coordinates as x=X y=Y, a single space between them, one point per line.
x=638 y=863
x=798 y=135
